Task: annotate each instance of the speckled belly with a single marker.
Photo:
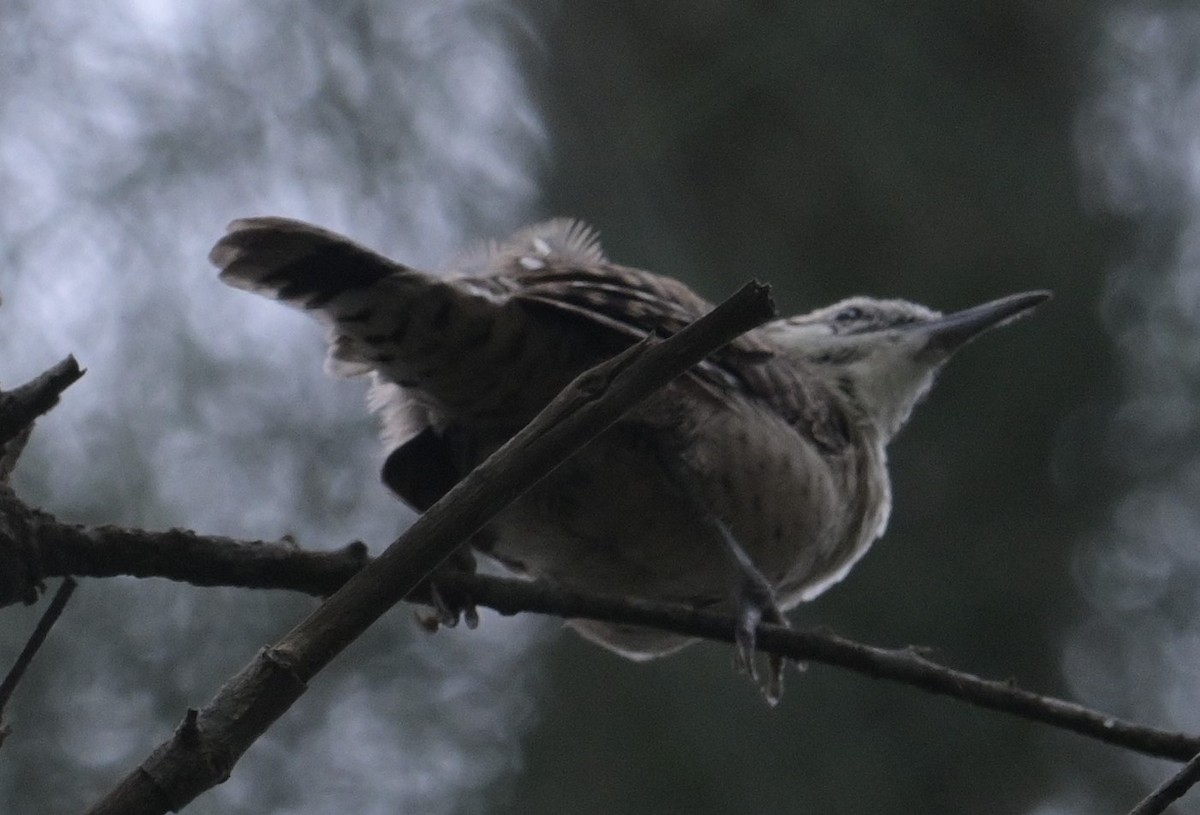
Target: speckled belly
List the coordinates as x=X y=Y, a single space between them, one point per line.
x=616 y=518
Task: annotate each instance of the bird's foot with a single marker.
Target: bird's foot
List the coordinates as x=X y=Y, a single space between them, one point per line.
x=446 y=612
x=756 y=604
x=755 y=600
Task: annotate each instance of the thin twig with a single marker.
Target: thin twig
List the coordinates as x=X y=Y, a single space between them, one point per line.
x=1171 y=790
x=49 y=617
x=182 y=768
x=215 y=561
x=905 y=665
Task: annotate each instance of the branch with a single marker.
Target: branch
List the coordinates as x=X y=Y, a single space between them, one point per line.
x=20 y=578
x=20 y=406
x=1171 y=790
x=206 y=746
x=25 y=658
x=905 y=665
x=213 y=561
x=182 y=555
x=216 y=561
x=35 y=545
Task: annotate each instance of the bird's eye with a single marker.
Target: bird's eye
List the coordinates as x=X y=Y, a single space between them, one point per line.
x=849 y=315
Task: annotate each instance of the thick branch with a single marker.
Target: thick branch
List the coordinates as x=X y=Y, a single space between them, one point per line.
x=204 y=749
x=182 y=555
x=20 y=406
x=38 y=546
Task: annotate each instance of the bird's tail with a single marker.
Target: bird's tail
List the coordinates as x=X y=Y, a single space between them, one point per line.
x=382 y=315
x=458 y=346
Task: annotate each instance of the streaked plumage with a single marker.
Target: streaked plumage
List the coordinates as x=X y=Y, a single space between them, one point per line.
x=780 y=435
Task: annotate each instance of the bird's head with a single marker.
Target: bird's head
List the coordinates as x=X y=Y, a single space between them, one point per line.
x=882 y=355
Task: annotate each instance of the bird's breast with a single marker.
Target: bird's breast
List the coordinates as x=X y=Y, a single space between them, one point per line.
x=626 y=515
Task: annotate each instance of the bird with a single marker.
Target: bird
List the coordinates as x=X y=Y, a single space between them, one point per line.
x=751 y=484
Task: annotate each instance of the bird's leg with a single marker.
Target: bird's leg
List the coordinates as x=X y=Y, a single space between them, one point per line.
x=755 y=603
x=446 y=613
x=421 y=471
x=755 y=600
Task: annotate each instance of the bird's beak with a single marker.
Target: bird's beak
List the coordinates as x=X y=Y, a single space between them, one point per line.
x=949 y=333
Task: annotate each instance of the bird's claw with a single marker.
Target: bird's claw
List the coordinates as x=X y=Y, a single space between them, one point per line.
x=446 y=612
x=755 y=599
x=756 y=603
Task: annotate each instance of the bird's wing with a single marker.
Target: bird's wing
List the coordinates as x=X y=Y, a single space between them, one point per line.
x=558 y=267
x=417 y=330
x=546 y=272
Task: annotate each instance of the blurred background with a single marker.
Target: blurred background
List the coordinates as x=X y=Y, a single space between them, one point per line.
x=1046 y=497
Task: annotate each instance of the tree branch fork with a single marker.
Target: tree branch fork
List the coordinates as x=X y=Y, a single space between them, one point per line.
x=35 y=546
